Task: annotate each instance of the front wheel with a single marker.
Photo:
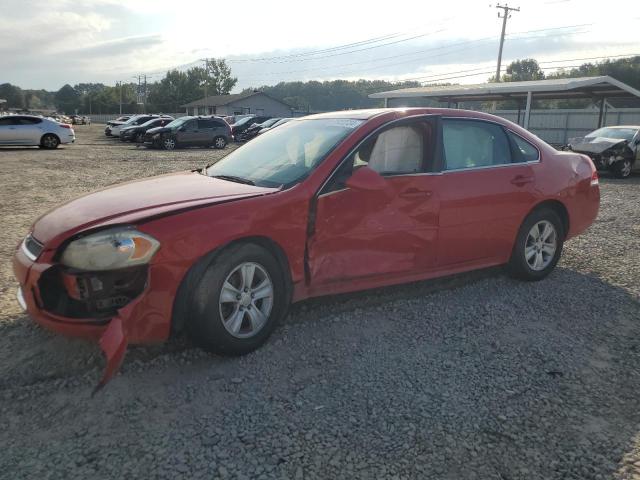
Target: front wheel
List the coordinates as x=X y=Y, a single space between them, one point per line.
x=538 y=246
x=168 y=143
x=622 y=168
x=219 y=142
x=238 y=302
x=49 y=141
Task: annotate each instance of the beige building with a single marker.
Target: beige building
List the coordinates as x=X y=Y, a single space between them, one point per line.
x=257 y=103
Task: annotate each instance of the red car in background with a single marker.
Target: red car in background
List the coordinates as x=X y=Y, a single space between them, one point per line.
x=326 y=204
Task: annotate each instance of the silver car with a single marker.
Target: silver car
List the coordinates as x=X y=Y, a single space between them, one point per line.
x=32 y=130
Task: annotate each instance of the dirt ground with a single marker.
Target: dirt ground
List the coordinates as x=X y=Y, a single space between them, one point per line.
x=477 y=376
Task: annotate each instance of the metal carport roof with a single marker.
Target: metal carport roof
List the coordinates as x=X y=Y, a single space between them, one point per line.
x=595 y=88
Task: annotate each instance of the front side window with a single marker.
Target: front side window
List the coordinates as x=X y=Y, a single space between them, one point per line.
x=287 y=155
x=399 y=150
x=190 y=125
x=474 y=144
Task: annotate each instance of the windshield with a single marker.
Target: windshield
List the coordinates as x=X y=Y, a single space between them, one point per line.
x=151 y=122
x=618 y=133
x=268 y=123
x=287 y=155
x=280 y=122
x=244 y=120
x=177 y=122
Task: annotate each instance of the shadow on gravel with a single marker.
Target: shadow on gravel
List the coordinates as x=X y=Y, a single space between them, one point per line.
x=474 y=376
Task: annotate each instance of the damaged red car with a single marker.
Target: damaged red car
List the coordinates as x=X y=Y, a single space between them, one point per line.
x=325 y=204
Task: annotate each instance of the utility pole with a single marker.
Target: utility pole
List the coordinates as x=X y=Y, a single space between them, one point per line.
x=506 y=13
x=206 y=71
x=120 y=85
x=144 y=98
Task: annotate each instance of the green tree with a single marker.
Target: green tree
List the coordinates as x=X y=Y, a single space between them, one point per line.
x=67 y=99
x=217 y=77
x=13 y=95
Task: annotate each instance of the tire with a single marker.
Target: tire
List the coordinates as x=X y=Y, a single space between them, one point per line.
x=622 y=168
x=169 y=143
x=533 y=259
x=242 y=321
x=49 y=141
x=219 y=142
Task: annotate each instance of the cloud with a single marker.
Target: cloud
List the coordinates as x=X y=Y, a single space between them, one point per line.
x=117 y=47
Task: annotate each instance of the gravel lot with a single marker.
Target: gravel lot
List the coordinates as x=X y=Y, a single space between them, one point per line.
x=477 y=376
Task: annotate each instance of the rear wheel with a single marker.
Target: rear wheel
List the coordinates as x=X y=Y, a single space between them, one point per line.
x=168 y=143
x=219 y=142
x=49 y=141
x=238 y=302
x=538 y=245
x=622 y=168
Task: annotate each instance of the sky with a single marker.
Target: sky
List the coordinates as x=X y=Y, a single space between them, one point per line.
x=48 y=43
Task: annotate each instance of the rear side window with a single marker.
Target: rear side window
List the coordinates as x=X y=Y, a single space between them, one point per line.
x=474 y=144
x=29 y=121
x=524 y=151
x=205 y=123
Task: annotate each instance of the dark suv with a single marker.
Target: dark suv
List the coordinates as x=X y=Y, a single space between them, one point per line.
x=190 y=132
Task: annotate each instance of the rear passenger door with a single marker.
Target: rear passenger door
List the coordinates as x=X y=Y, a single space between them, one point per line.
x=220 y=129
x=487 y=189
x=205 y=131
x=30 y=130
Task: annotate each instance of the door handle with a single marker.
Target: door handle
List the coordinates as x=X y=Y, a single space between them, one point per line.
x=415 y=192
x=521 y=180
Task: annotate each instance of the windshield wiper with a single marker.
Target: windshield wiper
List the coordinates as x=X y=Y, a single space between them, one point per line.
x=232 y=178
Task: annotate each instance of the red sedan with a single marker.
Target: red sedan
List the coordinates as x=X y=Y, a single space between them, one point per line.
x=325 y=204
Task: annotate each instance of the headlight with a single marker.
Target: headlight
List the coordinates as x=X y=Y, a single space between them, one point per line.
x=110 y=250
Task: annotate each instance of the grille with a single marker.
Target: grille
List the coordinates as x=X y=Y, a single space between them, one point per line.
x=32 y=247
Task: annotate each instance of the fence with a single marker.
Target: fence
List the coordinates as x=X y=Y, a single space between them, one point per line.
x=558 y=126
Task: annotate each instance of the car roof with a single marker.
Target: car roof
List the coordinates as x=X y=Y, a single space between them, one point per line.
x=622 y=126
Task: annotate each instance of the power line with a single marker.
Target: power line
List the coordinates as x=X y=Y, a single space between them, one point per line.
x=325 y=50
x=443 y=47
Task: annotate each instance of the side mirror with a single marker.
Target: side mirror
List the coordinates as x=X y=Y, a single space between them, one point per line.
x=364 y=178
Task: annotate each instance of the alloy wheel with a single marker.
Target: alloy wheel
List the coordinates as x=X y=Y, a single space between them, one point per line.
x=625 y=170
x=541 y=245
x=49 y=141
x=246 y=300
x=220 y=142
x=169 y=143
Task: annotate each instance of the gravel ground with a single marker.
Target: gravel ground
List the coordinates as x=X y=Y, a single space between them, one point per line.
x=476 y=376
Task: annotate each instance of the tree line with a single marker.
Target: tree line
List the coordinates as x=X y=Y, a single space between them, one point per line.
x=178 y=87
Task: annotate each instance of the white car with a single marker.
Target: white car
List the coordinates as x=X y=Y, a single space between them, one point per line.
x=33 y=130
x=133 y=121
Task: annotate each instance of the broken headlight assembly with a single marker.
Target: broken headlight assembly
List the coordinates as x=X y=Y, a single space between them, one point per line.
x=112 y=249
x=98 y=274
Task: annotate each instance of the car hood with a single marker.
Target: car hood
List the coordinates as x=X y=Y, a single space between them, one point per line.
x=155 y=130
x=594 y=144
x=138 y=200
x=114 y=123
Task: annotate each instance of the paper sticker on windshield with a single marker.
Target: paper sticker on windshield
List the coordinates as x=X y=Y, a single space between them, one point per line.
x=344 y=122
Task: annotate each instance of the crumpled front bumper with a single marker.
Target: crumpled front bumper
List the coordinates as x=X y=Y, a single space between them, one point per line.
x=145 y=319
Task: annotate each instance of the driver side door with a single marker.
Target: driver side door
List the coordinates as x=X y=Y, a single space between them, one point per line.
x=188 y=133
x=378 y=234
